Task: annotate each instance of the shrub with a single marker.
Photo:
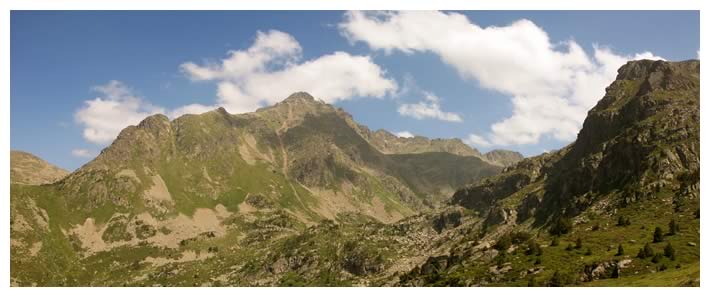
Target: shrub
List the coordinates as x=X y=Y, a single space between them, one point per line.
x=538 y=261
x=669 y=251
x=658 y=235
x=569 y=247
x=615 y=273
x=588 y=252
x=620 y=250
x=578 y=243
x=533 y=248
x=646 y=251
x=520 y=237
x=673 y=227
x=563 y=225
x=503 y=243
x=621 y=221
x=560 y=279
x=555 y=241
x=595 y=227
x=657 y=258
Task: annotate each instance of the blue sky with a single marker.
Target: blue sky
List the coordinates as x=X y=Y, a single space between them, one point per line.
x=439 y=75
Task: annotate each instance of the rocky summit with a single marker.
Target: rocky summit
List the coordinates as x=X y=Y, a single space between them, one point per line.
x=299 y=194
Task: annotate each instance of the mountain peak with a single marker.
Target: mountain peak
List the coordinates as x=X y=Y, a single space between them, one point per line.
x=299 y=96
x=642 y=69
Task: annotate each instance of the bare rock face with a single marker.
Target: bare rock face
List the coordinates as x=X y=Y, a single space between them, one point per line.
x=26 y=168
x=641 y=137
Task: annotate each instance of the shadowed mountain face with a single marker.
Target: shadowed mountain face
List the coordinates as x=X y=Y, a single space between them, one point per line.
x=298 y=194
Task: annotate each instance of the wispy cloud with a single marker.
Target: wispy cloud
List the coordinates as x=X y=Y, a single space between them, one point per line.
x=82 y=153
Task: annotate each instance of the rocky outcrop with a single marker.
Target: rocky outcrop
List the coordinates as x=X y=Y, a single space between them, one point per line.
x=641 y=137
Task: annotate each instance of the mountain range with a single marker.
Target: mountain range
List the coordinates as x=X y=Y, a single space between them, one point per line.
x=299 y=194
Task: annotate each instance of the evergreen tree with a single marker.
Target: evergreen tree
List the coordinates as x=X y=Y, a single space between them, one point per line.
x=658 y=235
x=641 y=254
x=615 y=273
x=621 y=221
x=563 y=225
x=620 y=250
x=673 y=227
x=657 y=258
x=578 y=244
x=646 y=251
x=669 y=251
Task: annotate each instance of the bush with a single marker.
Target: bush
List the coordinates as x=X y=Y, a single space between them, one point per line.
x=588 y=252
x=620 y=250
x=555 y=241
x=595 y=227
x=658 y=235
x=657 y=258
x=520 y=237
x=560 y=279
x=563 y=225
x=533 y=248
x=673 y=227
x=646 y=251
x=578 y=243
x=615 y=273
x=503 y=243
x=669 y=251
x=623 y=221
x=538 y=261
x=569 y=247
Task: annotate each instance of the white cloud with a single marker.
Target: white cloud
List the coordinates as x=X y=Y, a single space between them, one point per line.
x=551 y=86
x=476 y=141
x=429 y=108
x=404 y=134
x=271 y=69
x=116 y=108
x=82 y=153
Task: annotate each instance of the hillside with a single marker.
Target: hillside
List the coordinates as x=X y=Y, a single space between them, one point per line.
x=389 y=143
x=26 y=168
x=182 y=203
x=245 y=177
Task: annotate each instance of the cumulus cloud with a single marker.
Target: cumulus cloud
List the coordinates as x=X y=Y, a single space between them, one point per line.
x=117 y=107
x=551 y=85
x=272 y=68
x=429 y=108
x=404 y=134
x=82 y=153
